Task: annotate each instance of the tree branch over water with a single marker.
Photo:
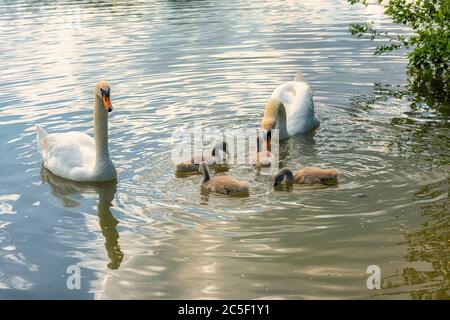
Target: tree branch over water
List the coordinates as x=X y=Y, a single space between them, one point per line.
x=430 y=42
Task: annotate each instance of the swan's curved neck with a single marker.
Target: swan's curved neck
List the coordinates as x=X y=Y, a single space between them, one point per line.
x=281 y=119
x=100 y=131
x=276 y=111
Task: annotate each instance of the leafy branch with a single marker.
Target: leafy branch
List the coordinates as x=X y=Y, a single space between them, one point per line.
x=430 y=22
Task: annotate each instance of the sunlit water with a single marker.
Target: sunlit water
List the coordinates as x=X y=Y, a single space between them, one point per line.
x=154 y=235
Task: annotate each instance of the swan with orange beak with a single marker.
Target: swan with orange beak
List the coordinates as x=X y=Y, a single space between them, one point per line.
x=290 y=109
x=77 y=156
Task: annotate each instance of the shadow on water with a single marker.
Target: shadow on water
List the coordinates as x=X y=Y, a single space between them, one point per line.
x=421 y=91
x=64 y=189
x=434 y=92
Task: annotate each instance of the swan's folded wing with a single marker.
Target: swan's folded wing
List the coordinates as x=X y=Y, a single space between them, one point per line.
x=284 y=93
x=301 y=115
x=68 y=152
x=42 y=141
x=297 y=98
x=302 y=103
x=228 y=185
x=316 y=175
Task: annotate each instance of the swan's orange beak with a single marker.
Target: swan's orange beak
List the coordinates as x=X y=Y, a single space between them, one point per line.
x=107 y=103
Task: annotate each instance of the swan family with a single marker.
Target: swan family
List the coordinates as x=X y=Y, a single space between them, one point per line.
x=79 y=157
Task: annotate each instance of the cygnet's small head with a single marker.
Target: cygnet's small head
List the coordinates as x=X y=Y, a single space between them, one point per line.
x=282 y=175
x=220 y=146
x=103 y=91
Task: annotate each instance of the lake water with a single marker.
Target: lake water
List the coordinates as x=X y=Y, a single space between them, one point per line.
x=153 y=234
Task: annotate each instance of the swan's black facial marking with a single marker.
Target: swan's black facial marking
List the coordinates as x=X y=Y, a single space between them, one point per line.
x=105 y=92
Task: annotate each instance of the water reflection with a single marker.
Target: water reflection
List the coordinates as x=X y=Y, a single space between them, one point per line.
x=429 y=244
x=435 y=92
x=420 y=124
x=421 y=127
x=65 y=190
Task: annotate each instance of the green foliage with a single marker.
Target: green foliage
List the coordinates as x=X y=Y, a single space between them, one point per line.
x=430 y=43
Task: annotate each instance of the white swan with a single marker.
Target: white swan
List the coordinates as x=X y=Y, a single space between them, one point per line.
x=76 y=156
x=290 y=110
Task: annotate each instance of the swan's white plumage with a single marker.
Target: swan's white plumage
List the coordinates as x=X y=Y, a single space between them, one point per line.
x=70 y=155
x=77 y=156
x=41 y=134
x=297 y=98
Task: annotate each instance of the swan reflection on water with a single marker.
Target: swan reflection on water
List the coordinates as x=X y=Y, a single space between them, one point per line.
x=64 y=189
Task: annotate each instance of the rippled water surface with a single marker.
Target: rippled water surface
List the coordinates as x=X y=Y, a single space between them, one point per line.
x=153 y=234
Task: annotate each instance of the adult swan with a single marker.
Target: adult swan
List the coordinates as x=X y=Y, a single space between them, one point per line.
x=290 y=110
x=76 y=156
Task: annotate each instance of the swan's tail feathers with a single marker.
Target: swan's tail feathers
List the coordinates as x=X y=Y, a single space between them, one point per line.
x=299 y=77
x=42 y=143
